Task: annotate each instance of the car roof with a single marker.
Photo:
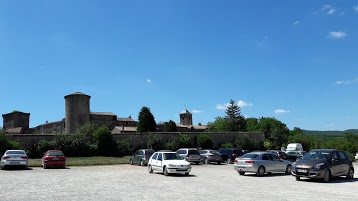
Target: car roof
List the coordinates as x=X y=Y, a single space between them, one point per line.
x=15 y=150
x=55 y=150
x=324 y=150
x=165 y=152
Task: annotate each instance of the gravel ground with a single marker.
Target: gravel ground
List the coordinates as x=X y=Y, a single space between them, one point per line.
x=125 y=182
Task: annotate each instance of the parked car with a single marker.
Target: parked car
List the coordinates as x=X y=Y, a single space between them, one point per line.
x=228 y=155
x=190 y=155
x=209 y=156
x=53 y=158
x=14 y=158
x=168 y=162
x=295 y=155
x=280 y=154
x=324 y=164
x=261 y=163
x=141 y=157
x=356 y=156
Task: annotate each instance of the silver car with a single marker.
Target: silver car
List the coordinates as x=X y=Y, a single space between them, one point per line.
x=191 y=155
x=209 y=156
x=14 y=158
x=261 y=163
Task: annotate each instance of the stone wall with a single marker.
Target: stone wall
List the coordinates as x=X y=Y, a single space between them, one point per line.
x=139 y=140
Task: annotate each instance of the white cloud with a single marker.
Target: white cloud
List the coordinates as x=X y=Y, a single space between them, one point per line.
x=197 y=111
x=355 y=8
x=222 y=107
x=296 y=22
x=328 y=9
x=330 y=125
x=345 y=82
x=337 y=34
x=148 y=81
x=243 y=104
x=279 y=111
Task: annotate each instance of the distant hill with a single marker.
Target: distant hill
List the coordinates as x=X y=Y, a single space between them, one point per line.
x=329 y=133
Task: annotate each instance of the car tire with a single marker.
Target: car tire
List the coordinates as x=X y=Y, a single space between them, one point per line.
x=131 y=161
x=298 y=178
x=206 y=161
x=166 y=171
x=150 y=169
x=141 y=163
x=327 y=176
x=288 y=169
x=228 y=161
x=241 y=173
x=260 y=171
x=350 y=174
x=44 y=166
x=187 y=174
x=197 y=162
x=219 y=163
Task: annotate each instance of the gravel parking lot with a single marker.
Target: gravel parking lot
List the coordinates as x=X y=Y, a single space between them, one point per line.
x=125 y=182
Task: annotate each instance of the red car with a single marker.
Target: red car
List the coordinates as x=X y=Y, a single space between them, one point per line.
x=54 y=158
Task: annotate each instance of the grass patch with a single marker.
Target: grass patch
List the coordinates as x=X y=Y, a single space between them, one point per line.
x=87 y=161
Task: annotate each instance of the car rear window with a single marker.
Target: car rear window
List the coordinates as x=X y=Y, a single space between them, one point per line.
x=193 y=152
x=55 y=153
x=149 y=152
x=214 y=152
x=15 y=152
x=249 y=155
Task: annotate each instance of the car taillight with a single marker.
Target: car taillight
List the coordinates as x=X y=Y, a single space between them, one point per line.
x=250 y=161
x=187 y=155
x=6 y=157
x=48 y=158
x=24 y=157
x=235 y=161
x=210 y=154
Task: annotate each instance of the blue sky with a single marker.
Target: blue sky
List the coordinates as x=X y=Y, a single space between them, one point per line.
x=292 y=60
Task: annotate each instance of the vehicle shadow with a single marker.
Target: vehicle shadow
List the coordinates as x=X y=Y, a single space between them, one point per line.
x=16 y=169
x=178 y=175
x=334 y=180
x=267 y=175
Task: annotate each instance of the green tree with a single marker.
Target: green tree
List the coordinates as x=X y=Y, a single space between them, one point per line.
x=252 y=124
x=170 y=126
x=244 y=142
x=146 y=122
x=204 y=141
x=184 y=140
x=275 y=131
x=221 y=125
x=233 y=113
x=104 y=139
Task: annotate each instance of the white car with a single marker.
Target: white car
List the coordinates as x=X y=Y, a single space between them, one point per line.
x=168 y=162
x=14 y=158
x=356 y=156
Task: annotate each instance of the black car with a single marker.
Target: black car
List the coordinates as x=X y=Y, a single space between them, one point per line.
x=323 y=164
x=228 y=155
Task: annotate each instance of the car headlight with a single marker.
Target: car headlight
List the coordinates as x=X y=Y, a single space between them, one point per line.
x=318 y=166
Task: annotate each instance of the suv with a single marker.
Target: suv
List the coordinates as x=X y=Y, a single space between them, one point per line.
x=323 y=164
x=190 y=155
x=141 y=157
x=228 y=155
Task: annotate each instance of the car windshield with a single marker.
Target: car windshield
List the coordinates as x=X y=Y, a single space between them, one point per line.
x=317 y=155
x=15 y=152
x=249 y=155
x=55 y=153
x=193 y=152
x=214 y=152
x=172 y=156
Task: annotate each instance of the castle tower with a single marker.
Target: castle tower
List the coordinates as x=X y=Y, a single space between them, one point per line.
x=186 y=118
x=77 y=108
x=16 y=119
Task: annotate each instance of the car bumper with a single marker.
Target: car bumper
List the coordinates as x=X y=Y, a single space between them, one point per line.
x=178 y=170
x=14 y=163
x=54 y=163
x=245 y=168
x=310 y=173
x=193 y=160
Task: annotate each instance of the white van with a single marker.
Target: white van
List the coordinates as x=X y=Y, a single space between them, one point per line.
x=294 y=147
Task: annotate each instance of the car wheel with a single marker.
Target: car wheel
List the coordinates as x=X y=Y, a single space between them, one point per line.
x=298 y=178
x=197 y=162
x=187 y=173
x=350 y=174
x=228 y=161
x=166 y=171
x=219 y=163
x=261 y=171
x=326 y=177
x=206 y=161
x=44 y=166
x=131 y=161
x=241 y=173
x=150 y=169
x=141 y=163
x=288 y=169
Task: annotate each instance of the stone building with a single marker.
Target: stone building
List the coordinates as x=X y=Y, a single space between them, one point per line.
x=78 y=113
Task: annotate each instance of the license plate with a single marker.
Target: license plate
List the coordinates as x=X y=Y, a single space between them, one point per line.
x=14 y=163
x=55 y=159
x=300 y=170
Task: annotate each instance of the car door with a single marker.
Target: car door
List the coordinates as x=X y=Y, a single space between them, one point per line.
x=138 y=156
x=279 y=165
x=335 y=164
x=153 y=161
x=159 y=162
x=344 y=163
x=268 y=163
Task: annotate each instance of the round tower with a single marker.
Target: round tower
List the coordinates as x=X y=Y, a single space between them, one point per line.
x=77 y=106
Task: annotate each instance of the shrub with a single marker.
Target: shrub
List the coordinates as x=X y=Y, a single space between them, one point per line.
x=102 y=136
x=204 y=141
x=226 y=145
x=244 y=142
x=154 y=141
x=123 y=148
x=172 y=145
x=39 y=148
x=184 y=140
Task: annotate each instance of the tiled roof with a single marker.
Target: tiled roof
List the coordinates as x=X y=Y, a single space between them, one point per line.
x=103 y=113
x=119 y=129
x=53 y=122
x=125 y=119
x=185 y=111
x=183 y=126
x=16 y=130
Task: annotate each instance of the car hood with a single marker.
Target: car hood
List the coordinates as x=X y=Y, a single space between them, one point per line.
x=307 y=163
x=176 y=162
